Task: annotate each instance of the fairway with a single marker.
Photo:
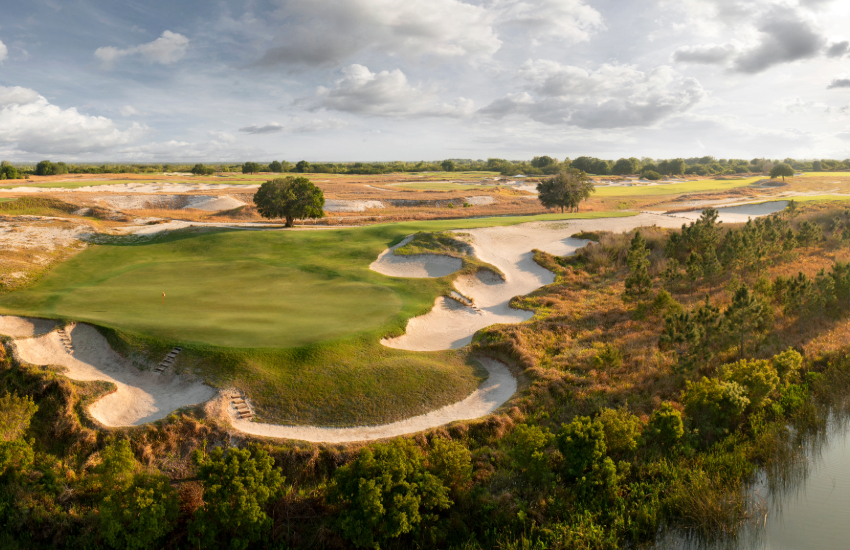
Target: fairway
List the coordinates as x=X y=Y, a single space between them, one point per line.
x=672 y=188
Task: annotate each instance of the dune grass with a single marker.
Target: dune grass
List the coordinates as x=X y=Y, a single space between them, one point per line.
x=293 y=318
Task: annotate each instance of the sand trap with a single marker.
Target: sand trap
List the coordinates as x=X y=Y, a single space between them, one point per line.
x=19 y=327
x=451 y=325
x=141 y=397
x=740 y=213
x=419 y=266
x=351 y=206
x=213 y=203
x=141 y=187
x=497 y=389
x=480 y=200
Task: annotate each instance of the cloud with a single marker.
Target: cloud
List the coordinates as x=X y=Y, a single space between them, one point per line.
x=614 y=96
x=328 y=32
x=165 y=50
x=838 y=49
x=785 y=37
x=266 y=129
x=839 y=83
x=710 y=54
x=569 y=21
x=386 y=93
x=301 y=126
x=30 y=124
x=128 y=110
x=4 y=51
x=222 y=136
x=799 y=105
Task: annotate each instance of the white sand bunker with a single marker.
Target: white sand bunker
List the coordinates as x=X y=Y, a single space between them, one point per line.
x=480 y=200
x=451 y=325
x=497 y=389
x=213 y=203
x=740 y=213
x=351 y=206
x=19 y=327
x=419 y=266
x=141 y=397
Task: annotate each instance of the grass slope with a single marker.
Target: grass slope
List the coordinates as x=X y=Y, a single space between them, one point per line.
x=292 y=317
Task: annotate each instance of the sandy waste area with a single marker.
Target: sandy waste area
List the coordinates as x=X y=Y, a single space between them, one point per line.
x=739 y=213
x=141 y=396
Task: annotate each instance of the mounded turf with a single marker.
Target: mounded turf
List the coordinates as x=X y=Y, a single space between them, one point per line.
x=292 y=317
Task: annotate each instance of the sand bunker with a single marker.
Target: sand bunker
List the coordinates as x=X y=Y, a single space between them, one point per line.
x=213 y=203
x=141 y=396
x=740 y=213
x=480 y=200
x=351 y=206
x=451 y=325
x=141 y=187
x=19 y=327
x=497 y=389
x=419 y=266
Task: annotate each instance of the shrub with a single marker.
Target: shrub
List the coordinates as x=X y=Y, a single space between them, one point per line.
x=622 y=430
x=608 y=358
x=528 y=451
x=756 y=376
x=451 y=462
x=651 y=175
x=385 y=493
x=665 y=426
x=15 y=415
x=237 y=486
x=582 y=442
x=714 y=405
x=140 y=515
x=787 y=365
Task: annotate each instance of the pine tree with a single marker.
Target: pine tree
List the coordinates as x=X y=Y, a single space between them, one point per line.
x=745 y=315
x=638 y=282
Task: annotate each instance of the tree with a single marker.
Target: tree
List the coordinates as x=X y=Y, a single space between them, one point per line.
x=44 y=168
x=565 y=190
x=302 y=166
x=237 y=486
x=781 y=169
x=714 y=405
x=757 y=376
x=386 y=492
x=276 y=167
x=543 y=162
x=15 y=415
x=451 y=462
x=528 y=451
x=250 y=167
x=138 y=508
x=201 y=170
x=290 y=198
x=665 y=426
x=582 y=442
x=448 y=165
x=622 y=430
x=810 y=233
x=7 y=171
x=626 y=166
x=638 y=282
x=746 y=315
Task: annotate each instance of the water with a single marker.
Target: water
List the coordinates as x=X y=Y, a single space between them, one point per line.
x=807 y=504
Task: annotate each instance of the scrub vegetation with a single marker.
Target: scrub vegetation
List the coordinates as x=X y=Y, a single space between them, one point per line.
x=662 y=369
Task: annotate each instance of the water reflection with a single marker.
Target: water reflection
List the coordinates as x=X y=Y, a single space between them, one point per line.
x=806 y=497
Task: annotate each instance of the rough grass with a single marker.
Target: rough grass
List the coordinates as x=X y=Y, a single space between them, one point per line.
x=36 y=206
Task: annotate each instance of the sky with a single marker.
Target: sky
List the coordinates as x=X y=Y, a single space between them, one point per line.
x=379 y=80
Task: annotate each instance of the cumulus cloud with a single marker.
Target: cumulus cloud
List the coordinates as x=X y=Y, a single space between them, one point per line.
x=165 y=50
x=711 y=54
x=839 y=83
x=30 y=124
x=4 y=51
x=386 y=93
x=838 y=49
x=784 y=38
x=264 y=129
x=568 y=21
x=327 y=32
x=614 y=96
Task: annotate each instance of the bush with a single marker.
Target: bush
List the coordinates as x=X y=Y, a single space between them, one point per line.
x=756 y=376
x=608 y=357
x=451 y=462
x=582 y=442
x=622 y=430
x=787 y=365
x=651 y=175
x=385 y=493
x=714 y=405
x=15 y=415
x=665 y=426
x=237 y=486
x=528 y=451
x=140 y=515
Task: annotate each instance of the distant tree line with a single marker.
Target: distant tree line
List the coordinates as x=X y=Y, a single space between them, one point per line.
x=538 y=166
